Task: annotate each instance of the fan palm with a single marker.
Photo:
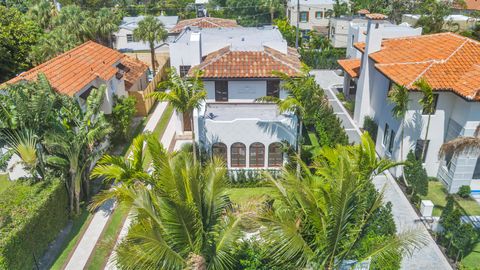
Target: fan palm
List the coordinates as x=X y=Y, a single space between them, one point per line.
x=318 y=218
x=105 y=23
x=150 y=30
x=42 y=13
x=428 y=103
x=181 y=218
x=399 y=97
x=185 y=95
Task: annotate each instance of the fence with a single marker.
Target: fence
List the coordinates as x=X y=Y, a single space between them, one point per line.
x=144 y=103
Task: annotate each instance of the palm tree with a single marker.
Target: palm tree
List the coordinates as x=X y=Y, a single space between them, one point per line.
x=318 y=219
x=302 y=97
x=182 y=219
x=42 y=13
x=185 y=95
x=272 y=6
x=399 y=97
x=428 y=103
x=105 y=23
x=150 y=30
x=75 y=145
x=73 y=20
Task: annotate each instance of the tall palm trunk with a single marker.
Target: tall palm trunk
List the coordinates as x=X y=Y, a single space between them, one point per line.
x=299 y=146
x=272 y=14
x=402 y=124
x=424 y=149
x=152 y=55
x=194 y=147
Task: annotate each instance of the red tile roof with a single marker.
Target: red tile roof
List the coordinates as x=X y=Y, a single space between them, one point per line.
x=376 y=16
x=449 y=62
x=363 y=11
x=204 y=22
x=469 y=4
x=350 y=66
x=71 y=71
x=136 y=69
x=225 y=63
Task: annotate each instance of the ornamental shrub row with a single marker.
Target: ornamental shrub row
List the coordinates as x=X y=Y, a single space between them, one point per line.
x=31 y=216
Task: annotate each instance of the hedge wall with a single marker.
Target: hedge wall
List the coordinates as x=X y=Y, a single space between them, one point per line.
x=31 y=216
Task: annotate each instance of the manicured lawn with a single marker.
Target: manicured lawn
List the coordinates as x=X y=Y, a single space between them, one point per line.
x=101 y=253
x=4 y=182
x=80 y=224
x=313 y=138
x=472 y=260
x=242 y=196
x=438 y=195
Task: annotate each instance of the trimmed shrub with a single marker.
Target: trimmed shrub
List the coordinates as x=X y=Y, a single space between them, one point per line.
x=371 y=127
x=464 y=191
x=31 y=216
x=249 y=178
x=416 y=175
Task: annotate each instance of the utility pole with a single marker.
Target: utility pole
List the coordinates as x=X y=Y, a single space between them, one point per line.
x=298 y=24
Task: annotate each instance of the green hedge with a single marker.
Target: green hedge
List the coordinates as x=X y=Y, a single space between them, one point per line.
x=31 y=216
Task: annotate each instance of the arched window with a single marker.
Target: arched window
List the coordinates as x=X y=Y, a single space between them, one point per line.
x=275 y=155
x=238 y=155
x=257 y=155
x=219 y=150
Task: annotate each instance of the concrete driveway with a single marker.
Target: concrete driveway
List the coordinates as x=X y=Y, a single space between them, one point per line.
x=428 y=257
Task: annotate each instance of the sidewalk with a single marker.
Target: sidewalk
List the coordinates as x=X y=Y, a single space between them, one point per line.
x=85 y=247
x=428 y=257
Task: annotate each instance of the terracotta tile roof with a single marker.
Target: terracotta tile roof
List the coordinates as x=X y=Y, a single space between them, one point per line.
x=136 y=69
x=71 y=71
x=363 y=11
x=449 y=62
x=469 y=4
x=225 y=63
x=350 y=66
x=375 y=16
x=204 y=22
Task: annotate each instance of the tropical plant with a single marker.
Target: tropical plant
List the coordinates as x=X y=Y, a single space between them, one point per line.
x=77 y=143
x=301 y=100
x=185 y=95
x=428 y=103
x=318 y=219
x=122 y=116
x=416 y=175
x=182 y=219
x=52 y=44
x=287 y=30
x=73 y=20
x=42 y=13
x=272 y=6
x=151 y=31
x=340 y=9
x=105 y=23
x=432 y=15
x=399 y=97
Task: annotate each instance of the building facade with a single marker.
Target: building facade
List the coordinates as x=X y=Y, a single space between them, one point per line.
x=237 y=67
x=448 y=62
x=314 y=14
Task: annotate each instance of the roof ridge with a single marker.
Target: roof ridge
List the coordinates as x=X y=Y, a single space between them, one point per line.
x=54 y=58
x=276 y=58
x=215 y=59
x=420 y=75
x=406 y=63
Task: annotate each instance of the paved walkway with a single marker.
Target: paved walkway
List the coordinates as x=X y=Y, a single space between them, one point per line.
x=428 y=257
x=95 y=228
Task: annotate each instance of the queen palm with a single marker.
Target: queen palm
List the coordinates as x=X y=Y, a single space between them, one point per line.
x=150 y=30
x=43 y=12
x=181 y=219
x=399 y=97
x=185 y=95
x=105 y=23
x=428 y=103
x=318 y=219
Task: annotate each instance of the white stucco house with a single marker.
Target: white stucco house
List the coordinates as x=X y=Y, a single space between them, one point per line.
x=80 y=70
x=238 y=65
x=450 y=64
x=313 y=15
x=124 y=40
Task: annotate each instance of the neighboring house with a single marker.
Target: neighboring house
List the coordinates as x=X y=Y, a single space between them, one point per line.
x=314 y=14
x=468 y=7
x=450 y=63
x=201 y=8
x=205 y=22
x=238 y=65
x=124 y=40
x=339 y=27
x=454 y=22
x=77 y=72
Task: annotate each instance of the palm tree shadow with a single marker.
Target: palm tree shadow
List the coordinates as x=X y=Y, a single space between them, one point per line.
x=412 y=127
x=277 y=129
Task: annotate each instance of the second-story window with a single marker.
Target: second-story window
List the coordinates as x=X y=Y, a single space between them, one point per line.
x=273 y=88
x=221 y=90
x=420 y=147
x=184 y=70
x=129 y=38
x=434 y=106
x=318 y=15
x=304 y=16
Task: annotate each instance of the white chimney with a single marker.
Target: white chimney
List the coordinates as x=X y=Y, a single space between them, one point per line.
x=195 y=45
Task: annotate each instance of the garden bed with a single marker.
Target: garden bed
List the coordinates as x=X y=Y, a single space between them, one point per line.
x=438 y=195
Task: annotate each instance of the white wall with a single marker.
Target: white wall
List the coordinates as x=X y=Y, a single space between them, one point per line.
x=241 y=91
x=311 y=9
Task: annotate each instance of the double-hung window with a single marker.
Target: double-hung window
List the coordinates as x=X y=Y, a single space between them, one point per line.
x=304 y=16
x=221 y=90
x=129 y=38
